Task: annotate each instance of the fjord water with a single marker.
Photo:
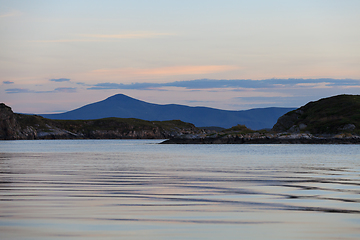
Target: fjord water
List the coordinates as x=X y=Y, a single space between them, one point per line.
x=139 y=189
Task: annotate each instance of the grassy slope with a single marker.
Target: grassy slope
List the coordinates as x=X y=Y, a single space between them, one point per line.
x=329 y=114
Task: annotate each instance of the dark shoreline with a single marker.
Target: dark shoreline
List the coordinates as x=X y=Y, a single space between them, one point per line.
x=239 y=140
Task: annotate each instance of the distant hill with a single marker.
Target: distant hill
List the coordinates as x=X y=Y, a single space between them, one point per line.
x=337 y=114
x=122 y=106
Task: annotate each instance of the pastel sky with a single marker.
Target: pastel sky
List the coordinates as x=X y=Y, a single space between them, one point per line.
x=231 y=54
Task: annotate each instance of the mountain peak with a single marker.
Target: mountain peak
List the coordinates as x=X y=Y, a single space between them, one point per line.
x=119 y=96
x=122 y=106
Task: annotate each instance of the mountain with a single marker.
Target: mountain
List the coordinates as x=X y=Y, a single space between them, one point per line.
x=122 y=106
x=337 y=114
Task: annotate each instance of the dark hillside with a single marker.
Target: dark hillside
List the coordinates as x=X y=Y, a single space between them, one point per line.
x=331 y=115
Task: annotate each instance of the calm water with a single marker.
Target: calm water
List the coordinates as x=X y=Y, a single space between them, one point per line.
x=138 y=189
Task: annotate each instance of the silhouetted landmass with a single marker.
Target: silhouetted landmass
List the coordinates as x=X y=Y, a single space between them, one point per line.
x=122 y=106
x=333 y=120
x=21 y=126
x=275 y=139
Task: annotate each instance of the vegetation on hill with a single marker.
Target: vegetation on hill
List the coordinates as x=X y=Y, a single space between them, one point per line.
x=22 y=126
x=239 y=128
x=236 y=131
x=337 y=114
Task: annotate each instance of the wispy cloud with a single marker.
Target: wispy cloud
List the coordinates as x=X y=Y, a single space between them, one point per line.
x=128 y=35
x=139 y=86
x=315 y=85
x=65 y=89
x=83 y=84
x=236 y=84
x=107 y=37
x=8 y=82
x=187 y=70
x=10 y=14
x=26 y=90
x=59 y=80
x=65 y=40
x=18 y=90
x=165 y=71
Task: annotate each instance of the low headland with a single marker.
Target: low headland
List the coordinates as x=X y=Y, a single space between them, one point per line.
x=14 y=126
x=264 y=137
x=333 y=120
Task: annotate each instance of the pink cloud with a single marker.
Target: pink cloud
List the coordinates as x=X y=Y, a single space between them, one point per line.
x=167 y=71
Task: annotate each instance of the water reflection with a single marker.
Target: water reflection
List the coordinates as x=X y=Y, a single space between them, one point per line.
x=156 y=192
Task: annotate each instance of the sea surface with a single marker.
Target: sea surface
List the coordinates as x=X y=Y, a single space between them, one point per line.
x=139 y=189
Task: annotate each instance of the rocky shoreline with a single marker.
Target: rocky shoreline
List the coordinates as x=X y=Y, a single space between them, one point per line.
x=280 y=138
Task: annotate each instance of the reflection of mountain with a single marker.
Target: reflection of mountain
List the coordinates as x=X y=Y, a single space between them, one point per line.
x=122 y=106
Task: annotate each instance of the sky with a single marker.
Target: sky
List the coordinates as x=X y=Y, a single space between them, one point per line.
x=60 y=55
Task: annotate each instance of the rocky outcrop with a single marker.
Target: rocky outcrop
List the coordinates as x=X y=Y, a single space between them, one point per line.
x=8 y=124
x=10 y=129
x=119 y=134
x=268 y=138
x=287 y=122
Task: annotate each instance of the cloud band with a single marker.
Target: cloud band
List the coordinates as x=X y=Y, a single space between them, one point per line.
x=209 y=84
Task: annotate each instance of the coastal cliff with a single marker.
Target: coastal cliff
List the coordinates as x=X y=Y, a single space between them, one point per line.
x=9 y=126
x=15 y=126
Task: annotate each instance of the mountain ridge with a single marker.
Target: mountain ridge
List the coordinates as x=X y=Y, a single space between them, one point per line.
x=123 y=106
